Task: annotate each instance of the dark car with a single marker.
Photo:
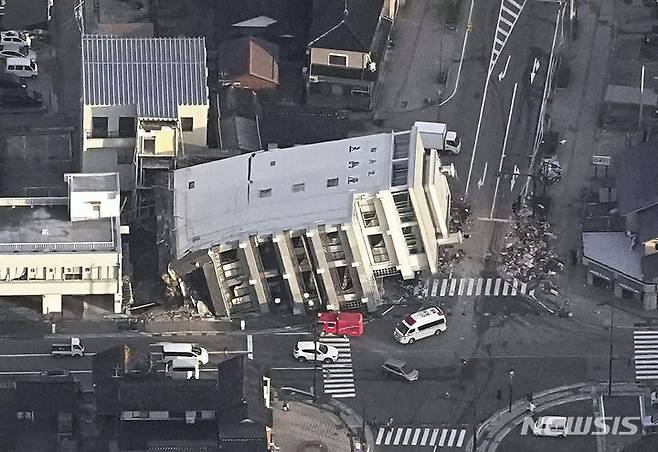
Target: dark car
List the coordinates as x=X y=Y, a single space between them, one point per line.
x=20 y=98
x=399 y=369
x=11 y=81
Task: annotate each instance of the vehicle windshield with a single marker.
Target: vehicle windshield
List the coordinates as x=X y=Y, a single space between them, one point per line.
x=32 y=65
x=323 y=348
x=196 y=350
x=402 y=328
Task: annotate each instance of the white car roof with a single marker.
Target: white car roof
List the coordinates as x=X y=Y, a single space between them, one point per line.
x=18 y=60
x=173 y=347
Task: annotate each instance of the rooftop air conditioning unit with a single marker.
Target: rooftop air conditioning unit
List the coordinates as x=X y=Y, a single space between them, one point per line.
x=313 y=78
x=449 y=170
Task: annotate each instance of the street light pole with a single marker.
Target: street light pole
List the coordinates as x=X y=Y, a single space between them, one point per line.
x=610 y=358
x=511 y=380
x=315 y=358
x=639 y=120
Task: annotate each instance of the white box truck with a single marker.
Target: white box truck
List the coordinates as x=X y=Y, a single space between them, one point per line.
x=435 y=135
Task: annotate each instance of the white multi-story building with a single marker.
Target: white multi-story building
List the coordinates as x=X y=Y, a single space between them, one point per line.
x=133 y=85
x=56 y=246
x=313 y=225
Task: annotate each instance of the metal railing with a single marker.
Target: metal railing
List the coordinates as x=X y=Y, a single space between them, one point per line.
x=34 y=201
x=62 y=246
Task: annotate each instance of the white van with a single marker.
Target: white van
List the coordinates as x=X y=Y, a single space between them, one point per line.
x=550 y=426
x=21 y=67
x=173 y=350
x=419 y=325
x=182 y=369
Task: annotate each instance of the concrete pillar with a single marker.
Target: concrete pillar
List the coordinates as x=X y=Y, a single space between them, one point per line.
x=51 y=303
x=323 y=269
x=649 y=299
x=117 y=303
x=395 y=233
x=255 y=273
x=590 y=279
x=617 y=289
x=361 y=265
x=284 y=246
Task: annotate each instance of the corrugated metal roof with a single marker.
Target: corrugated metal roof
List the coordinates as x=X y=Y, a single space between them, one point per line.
x=155 y=74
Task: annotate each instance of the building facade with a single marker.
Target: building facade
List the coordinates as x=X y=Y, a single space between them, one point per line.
x=127 y=81
x=53 y=247
x=313 y=226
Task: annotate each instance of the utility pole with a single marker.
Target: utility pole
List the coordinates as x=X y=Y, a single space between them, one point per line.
x=639 y=119
x=610 y=358
x=315 y=358
x=511 y=381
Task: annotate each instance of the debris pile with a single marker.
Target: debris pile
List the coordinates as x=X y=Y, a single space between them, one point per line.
x=448 y=258
x=527 y=254
x=551 y=171
x=460 y=215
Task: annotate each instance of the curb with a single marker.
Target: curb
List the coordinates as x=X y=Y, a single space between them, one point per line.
x=489 y=435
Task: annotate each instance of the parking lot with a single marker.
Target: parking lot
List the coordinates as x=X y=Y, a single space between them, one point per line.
x=39 y=144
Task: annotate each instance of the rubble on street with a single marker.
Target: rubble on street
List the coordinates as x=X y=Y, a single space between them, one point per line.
x=528 y=255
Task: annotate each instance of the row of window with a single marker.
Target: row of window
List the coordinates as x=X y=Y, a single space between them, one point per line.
x=99 y=126
x=296 y=188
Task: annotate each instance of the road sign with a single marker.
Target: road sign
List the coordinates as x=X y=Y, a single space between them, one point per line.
x=604 y=160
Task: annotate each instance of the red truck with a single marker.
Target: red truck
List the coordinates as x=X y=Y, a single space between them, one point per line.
x=340 y=323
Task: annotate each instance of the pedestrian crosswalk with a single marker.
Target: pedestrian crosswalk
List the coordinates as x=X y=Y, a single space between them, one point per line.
x=645 y=345
x=507 y=16
x=338 y=378
x=450 y=287
x=444 y=436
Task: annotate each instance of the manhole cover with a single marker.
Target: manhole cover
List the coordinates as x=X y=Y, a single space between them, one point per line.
x=312 y=446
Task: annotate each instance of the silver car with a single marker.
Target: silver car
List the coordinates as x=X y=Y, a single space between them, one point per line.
x=397 y=368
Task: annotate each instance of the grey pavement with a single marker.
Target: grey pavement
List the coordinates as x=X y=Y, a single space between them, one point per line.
x=494 y=429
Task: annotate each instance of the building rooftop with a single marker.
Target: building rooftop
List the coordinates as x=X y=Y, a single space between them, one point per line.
x=27 y=229
x=637 y=180
x=293 y=188
x=93 y=182
x=350 y=25
x=155 y=74
x=613 y=250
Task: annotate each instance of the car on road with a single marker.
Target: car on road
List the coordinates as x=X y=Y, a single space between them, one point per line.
x=173 y=350
x=13 y=52
x=15 y=39
x=397 y=368
x=22 y=67
x=550 y=426
x=20 y=98
x=419 y=325
x=304 y=351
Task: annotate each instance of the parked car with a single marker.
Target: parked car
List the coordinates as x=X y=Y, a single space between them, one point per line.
x=13 y=52
x=21 y=67
x=182 y=369
x=20 y=98
x=397 y=368
x=340 y=323
x=10 y=81
x=15 y=39
x=304 y=351
x=419 y=325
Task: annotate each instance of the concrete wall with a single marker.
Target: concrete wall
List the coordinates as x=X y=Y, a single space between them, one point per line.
x=81 y=205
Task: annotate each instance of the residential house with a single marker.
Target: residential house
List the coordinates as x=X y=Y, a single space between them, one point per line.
x=52 y=247
x=140 y=409
x=347 y=43
x=38 y=413
x=144 y=100
x=249 y=61
x=626 y=259
x=313 y=226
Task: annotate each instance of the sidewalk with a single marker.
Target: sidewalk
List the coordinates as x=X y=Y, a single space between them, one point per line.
x=325 y=424
x=493 y=430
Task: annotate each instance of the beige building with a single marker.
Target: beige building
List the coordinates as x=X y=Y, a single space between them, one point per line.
x=52 y=247
x=127 y=81
x=313 y=226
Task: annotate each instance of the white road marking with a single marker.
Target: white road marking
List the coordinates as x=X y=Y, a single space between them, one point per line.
x=250 y=346
x=502 y=154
